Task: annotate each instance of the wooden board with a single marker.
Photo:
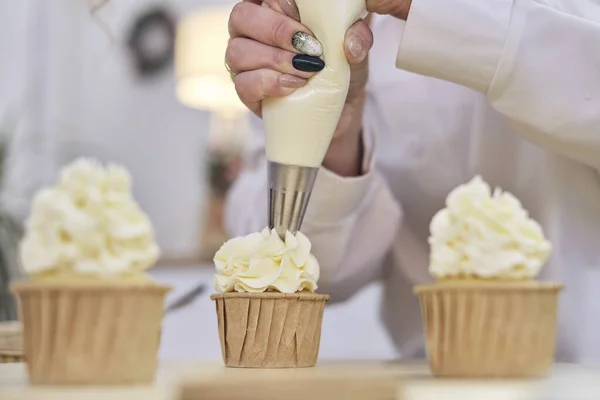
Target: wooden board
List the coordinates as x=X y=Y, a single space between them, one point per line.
x=373 y=381
x=328 y=381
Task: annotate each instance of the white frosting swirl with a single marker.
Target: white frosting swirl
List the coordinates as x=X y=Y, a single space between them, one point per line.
x=481 y=234
x=88 y=224
x=262 y=262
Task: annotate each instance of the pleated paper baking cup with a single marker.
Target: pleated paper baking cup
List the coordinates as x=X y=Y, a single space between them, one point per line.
x=11 y=357
x=11 y=342
x=11 y=337
x=270 y=330
x=490 y=329
x=95 y=334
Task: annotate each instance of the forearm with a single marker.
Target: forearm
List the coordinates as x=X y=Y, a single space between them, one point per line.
x=346 y=151
x=536 y=61
x=345 y=157
x=352 y=223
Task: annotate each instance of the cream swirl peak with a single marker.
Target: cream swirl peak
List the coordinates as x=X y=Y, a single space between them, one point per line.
x=88 y=224
x=485 y=234
x=262 y=262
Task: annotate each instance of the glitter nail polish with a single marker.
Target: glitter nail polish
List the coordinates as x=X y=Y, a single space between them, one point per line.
x=307 y=44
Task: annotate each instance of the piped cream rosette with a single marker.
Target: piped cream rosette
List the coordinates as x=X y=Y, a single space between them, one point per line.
x=485 y=234
x=262 y=262
x=88 y=226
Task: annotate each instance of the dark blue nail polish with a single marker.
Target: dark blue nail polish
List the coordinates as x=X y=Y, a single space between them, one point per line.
x=308 y=63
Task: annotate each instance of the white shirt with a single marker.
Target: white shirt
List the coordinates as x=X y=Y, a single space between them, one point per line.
x=513 y=94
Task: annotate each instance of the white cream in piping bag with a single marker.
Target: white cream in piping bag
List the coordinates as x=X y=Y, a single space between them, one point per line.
x=88 y=225
x=485 y=234
x=262 y=262
x=299 y=127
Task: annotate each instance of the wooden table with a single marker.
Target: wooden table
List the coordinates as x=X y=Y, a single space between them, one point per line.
x=409 y=380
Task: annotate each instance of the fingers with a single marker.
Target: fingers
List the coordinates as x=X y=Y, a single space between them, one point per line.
x=272 y=28
x=273 y=5
x=358 y=42
x=270 y=53
x=287 y=7
x=273 y=54
x=248 y=55
x=254 y=86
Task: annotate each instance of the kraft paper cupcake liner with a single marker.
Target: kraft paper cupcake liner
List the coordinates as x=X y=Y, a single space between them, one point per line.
x=490 y=330
x=91 y=334
x=11 y=342
x=7 y=357
x=270 y=330
x=11 y=336
x=4 y=359
x=11 y=356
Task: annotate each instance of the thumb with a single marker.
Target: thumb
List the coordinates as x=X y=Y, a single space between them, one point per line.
x=357 y=44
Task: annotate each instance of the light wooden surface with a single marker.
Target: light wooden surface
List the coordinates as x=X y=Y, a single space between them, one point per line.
x=403 y=381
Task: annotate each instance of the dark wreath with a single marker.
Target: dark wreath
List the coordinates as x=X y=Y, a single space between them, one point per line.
x=146 y=62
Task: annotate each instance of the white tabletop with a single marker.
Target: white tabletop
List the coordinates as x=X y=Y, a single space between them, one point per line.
x=567 y=382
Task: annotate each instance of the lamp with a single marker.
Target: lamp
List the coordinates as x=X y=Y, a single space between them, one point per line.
x=202 y=80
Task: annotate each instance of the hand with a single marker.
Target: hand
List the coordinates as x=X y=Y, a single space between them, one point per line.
x=396 y=8
x=267 y=60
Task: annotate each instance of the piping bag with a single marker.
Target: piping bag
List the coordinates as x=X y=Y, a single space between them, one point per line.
x=300 y=126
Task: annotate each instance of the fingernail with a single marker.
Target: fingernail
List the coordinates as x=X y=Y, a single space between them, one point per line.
x=307 y=44
x=291 y=81
x=290 y=9
x=356 y=46
x=307 y=63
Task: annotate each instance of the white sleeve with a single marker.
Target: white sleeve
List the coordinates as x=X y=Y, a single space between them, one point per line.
x=351 y=222
x=537 y=61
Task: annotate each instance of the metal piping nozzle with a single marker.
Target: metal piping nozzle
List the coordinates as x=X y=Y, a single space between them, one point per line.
x=290 y=187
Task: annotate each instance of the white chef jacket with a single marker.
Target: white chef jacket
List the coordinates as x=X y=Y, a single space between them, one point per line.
x=509 y=89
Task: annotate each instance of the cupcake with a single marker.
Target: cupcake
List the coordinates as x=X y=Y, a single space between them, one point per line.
x=90 y=313
x=11 y=343
x=268 y=311
x=486 y=315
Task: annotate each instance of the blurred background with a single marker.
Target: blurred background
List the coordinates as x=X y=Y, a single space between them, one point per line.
x=141 y=83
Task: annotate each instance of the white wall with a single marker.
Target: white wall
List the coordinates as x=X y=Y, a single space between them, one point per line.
x=141 y=124
x=80 y=96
